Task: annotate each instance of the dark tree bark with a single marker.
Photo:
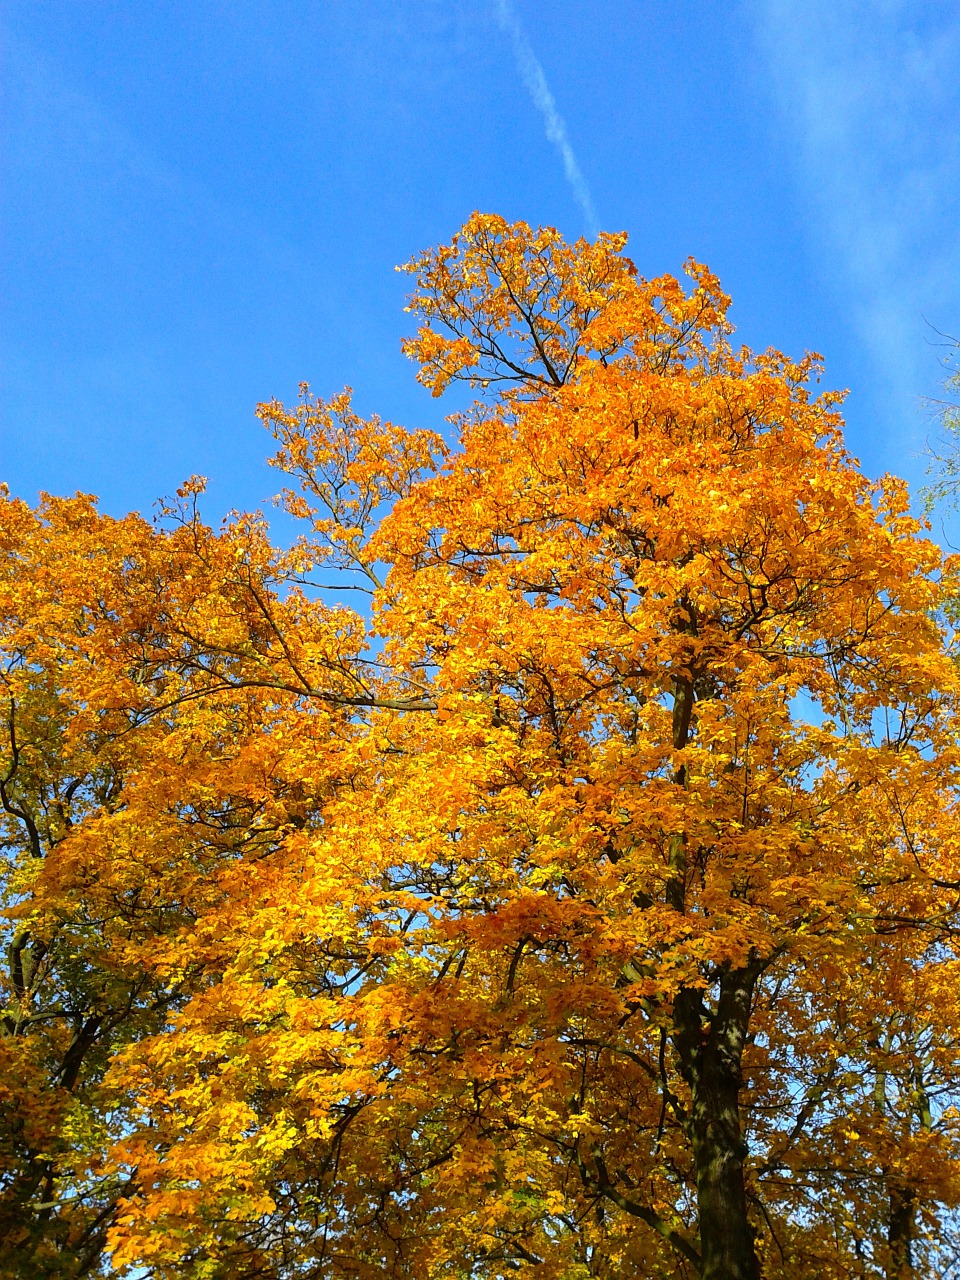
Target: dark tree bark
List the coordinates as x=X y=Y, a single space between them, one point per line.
x=900 y=1233
x=709 y=1045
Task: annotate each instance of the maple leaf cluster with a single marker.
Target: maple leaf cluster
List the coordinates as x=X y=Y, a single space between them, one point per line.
x=583 y=905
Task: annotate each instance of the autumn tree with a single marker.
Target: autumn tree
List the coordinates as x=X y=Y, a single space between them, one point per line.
x=586 y=907
x=138 y=663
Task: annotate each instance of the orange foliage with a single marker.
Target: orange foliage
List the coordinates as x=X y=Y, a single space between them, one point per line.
x=586 y=910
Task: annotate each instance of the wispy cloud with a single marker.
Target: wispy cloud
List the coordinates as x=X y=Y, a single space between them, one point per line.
x=869 y=89
x=536 y=82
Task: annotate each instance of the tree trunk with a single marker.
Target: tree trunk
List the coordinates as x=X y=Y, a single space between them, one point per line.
x=900 y=1232
x=709 y=1044
x=726 y=1237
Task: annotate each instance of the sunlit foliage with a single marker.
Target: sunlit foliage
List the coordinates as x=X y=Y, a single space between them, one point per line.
x=586 y=906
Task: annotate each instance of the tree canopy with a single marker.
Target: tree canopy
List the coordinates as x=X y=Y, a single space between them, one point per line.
x=584 y=905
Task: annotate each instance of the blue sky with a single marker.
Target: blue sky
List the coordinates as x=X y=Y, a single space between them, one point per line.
x=203 y=201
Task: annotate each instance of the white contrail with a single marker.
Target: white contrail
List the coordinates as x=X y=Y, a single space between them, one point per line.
x=532 y=74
